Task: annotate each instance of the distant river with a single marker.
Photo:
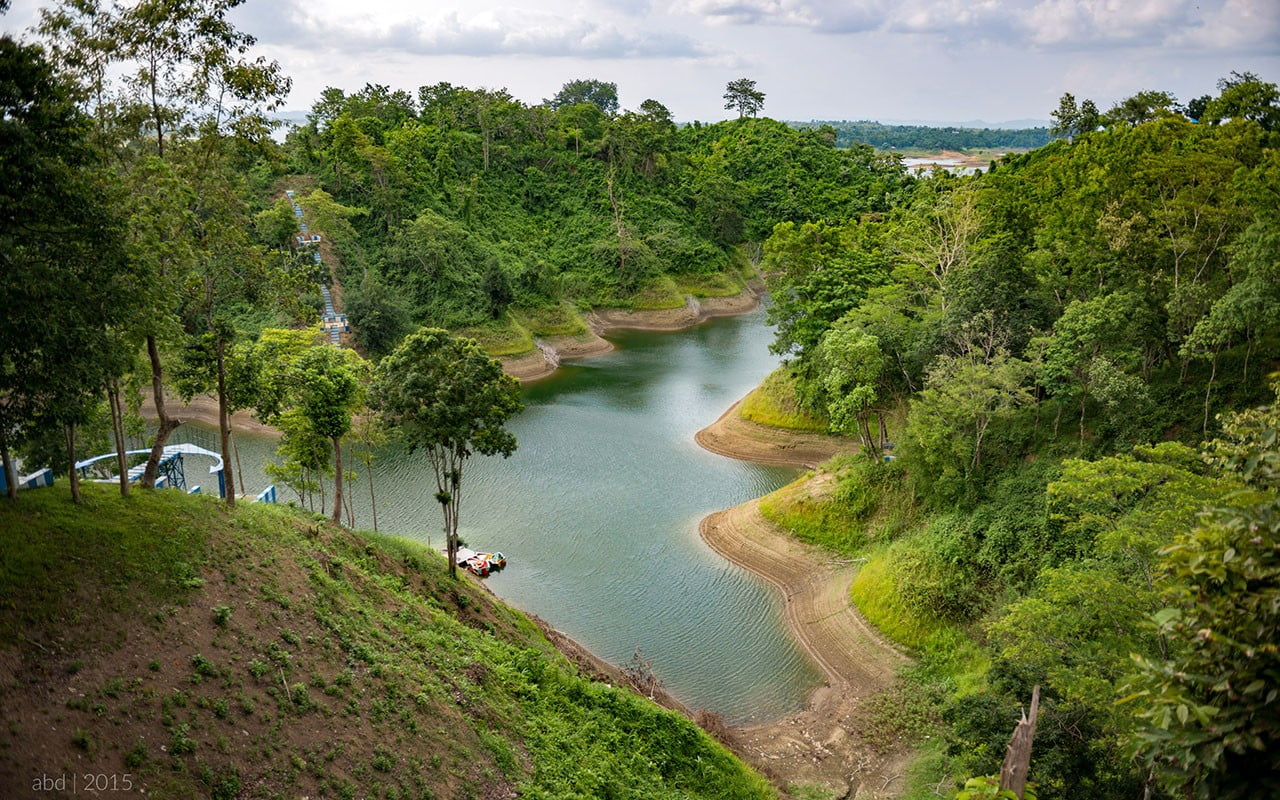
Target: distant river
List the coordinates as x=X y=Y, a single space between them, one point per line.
x=598 y=510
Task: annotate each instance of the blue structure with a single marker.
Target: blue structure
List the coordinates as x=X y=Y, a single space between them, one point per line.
x=35 y=480
x=172 y=472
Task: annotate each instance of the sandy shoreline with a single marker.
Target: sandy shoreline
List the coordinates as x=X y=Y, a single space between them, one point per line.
x=735 y=437
x=820 y=744
x=544 y=360
x=531 y=366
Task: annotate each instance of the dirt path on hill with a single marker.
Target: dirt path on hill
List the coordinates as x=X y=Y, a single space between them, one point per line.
x=820 y=745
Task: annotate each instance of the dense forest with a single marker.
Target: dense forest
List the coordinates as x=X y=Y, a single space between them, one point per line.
x=508 y=205
x=933 y=139
x=1063 y=351
x=1050 y=367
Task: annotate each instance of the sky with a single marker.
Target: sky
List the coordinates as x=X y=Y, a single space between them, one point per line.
x=891 y=60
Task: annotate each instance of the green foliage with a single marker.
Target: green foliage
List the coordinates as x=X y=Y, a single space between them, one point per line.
x=1210 y=726
x=603 y=95
x=988 y=788
x=774 y=403
x=380 y=317
x=443 y=395
x=741 y=95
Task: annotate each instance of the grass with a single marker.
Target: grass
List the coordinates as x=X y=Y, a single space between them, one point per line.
x=558 y=320
x=946 y=650
x=711 y=284
x=817 y=519
x=774 y=403
x=351 y=660
x=859 y=503
x=660 y=293
x=504 y=336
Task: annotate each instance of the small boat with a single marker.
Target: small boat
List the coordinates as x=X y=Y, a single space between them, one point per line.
x=480 y=563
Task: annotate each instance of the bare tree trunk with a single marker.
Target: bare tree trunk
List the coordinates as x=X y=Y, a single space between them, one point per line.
x=11 y=474
x=373 y=503
x=117 y=430
x=1084 y=399
x=73 y=475
x=167 y=423
x=337 y=479
x=224 y=427
x=1247 y=353
x=1208 y=390
x=1017 y=759
x=235 y=448
x=351 y=498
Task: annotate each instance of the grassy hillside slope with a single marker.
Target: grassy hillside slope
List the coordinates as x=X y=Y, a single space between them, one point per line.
x=192 y=651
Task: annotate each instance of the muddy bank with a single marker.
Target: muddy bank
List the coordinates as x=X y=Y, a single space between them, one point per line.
x=546 y=357
x=822 y=744
x=735 y=437
x=204 y=410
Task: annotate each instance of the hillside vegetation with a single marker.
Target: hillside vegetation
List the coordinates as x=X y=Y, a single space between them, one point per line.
x=1048 y=366
x=259 y=652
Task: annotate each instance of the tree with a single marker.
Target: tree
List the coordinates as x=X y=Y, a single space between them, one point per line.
x=328 y=387
x=186 y=85
x=443 y=395
x=1245 y=96
x=1091 y=350
x=853 y=374
x=1071 y=121
x=1066 y=117
x=741 y=95
x=1145 y=106
x=379 y=316
x=1211 y=711
x=601 y=94
x=66 y=290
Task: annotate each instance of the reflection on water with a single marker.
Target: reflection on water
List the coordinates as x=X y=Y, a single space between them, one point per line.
x=597 y=513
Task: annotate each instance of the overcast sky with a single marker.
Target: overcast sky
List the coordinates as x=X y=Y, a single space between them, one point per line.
x=950 y=60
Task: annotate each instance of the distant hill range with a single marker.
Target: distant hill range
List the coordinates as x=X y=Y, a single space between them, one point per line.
x=931 y=137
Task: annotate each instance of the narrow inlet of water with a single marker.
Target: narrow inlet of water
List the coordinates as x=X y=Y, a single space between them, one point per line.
x=598 y=511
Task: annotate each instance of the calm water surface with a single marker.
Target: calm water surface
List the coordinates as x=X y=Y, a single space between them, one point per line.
x=598 y=512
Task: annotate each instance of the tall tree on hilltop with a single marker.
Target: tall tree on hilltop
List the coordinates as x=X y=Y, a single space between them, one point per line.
x=741 y=95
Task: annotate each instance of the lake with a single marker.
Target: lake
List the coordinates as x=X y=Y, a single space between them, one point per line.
x=598 y=511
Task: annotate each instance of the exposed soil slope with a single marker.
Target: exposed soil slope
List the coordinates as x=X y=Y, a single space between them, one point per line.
x=821 y=744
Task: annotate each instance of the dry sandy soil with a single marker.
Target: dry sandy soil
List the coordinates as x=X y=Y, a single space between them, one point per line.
x=534 y=365
x=820 y=745
x=735 y=437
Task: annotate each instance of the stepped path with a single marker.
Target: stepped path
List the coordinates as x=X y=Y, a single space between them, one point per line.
x=332 y=321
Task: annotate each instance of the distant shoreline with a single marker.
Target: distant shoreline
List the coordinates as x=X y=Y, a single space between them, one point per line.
x=539 y=363
x=531 y=366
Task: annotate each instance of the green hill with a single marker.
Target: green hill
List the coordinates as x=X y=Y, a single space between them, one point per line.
x=162 y=642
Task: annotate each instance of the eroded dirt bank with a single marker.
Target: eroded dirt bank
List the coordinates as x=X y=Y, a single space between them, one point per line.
x=821 y=744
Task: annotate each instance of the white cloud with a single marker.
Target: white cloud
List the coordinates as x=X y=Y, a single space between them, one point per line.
x=498 y=32
x=1072 y=24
